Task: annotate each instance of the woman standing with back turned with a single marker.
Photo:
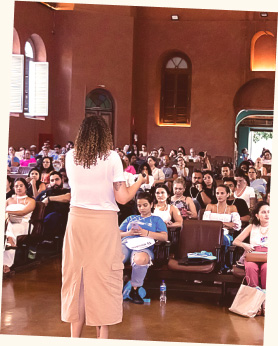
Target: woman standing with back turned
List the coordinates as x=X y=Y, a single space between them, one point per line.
x=92 y=267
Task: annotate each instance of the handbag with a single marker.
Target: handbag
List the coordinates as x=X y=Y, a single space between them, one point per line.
x=248 y=301
x=256 y=256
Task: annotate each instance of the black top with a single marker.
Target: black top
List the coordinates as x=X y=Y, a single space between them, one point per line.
x=51 y=207
x=10 y=193
x=241 y=206
x=193 y=192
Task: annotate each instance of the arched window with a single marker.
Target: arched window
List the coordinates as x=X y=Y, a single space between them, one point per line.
x=29 y=56
x=175 y=90
x=16 y=101
x=36 y=71
x=100 y=102
x=263 y=51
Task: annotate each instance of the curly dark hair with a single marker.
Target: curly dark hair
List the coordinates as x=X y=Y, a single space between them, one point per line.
x=93 y=141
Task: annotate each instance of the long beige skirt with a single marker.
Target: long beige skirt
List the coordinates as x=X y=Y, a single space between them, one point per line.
x=92 y=248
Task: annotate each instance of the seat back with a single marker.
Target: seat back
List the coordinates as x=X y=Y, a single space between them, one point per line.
x=201 y=213
x=199 y=235
x=32 y=164
x=37 y=219
x=23 y=170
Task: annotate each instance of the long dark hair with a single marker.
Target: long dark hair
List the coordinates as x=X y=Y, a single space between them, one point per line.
x=145 y=164
x=93 y=141
x=214 y=185
x=40 y=167
x=38 y=182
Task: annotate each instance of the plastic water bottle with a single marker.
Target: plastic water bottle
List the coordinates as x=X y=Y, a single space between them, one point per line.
x=163 y=292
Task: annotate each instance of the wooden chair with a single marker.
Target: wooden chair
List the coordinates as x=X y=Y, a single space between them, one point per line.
x=35 y=232
x=196 y=236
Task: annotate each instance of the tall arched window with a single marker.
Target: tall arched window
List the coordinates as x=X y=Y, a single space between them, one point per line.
x=100 y=102
x=29 y=56
x=263 y=51
x=175 y=90
x=35 y=78
x=16 y=101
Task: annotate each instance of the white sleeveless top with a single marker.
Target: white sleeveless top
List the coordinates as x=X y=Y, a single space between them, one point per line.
x=259 y=236
x=233 y=217
x=164 y=214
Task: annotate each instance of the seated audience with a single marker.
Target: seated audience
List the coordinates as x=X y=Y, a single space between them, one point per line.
x=258 y=184
x=169 y=172
x=258 y=233
x=33 y=149
x=161 y=152
x=27 y=158
x=185 y=205
x=69 y=146
x=243 y=189
x=261 y=170
x=135 y=149
x=228 y=214
x=143 y=225
x=144 y=168
x=210 y=186
x=132 y=159
x=162 y=207
x=181 y=168
x=225 y=171
x=19 y=209
x=143 y=152
x=13 y=161
x=45 y=168
x=65 y=178
x=57 y=201
x=35 y=185
x=192 y=157
x=244 y=154
x=196 y=191
x=57 y=152
x=240 y=203
x=129 y=168
x=244 y=166
x=173 y=155
x=181 y=152
x=157 y=173
x=9 y=187
x=205 y=164
x=267 y=158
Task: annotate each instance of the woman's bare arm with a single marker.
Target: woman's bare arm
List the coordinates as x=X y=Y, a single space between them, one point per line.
x=30 y=206
x=124 y=194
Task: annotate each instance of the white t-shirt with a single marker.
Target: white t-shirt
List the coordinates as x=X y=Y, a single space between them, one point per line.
x=93 y=188
x=247 y=194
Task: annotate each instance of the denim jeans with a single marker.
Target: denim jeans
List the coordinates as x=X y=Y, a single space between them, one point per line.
x=139 y=272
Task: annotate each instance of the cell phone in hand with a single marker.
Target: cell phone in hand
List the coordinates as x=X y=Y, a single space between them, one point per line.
x=134 y=225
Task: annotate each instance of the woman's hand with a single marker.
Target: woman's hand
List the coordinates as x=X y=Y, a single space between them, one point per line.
x=140 y=231
x=33 y=182
x=168 y=223
x=248 y=247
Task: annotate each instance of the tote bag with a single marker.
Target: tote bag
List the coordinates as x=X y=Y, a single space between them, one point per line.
x=248 y=301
